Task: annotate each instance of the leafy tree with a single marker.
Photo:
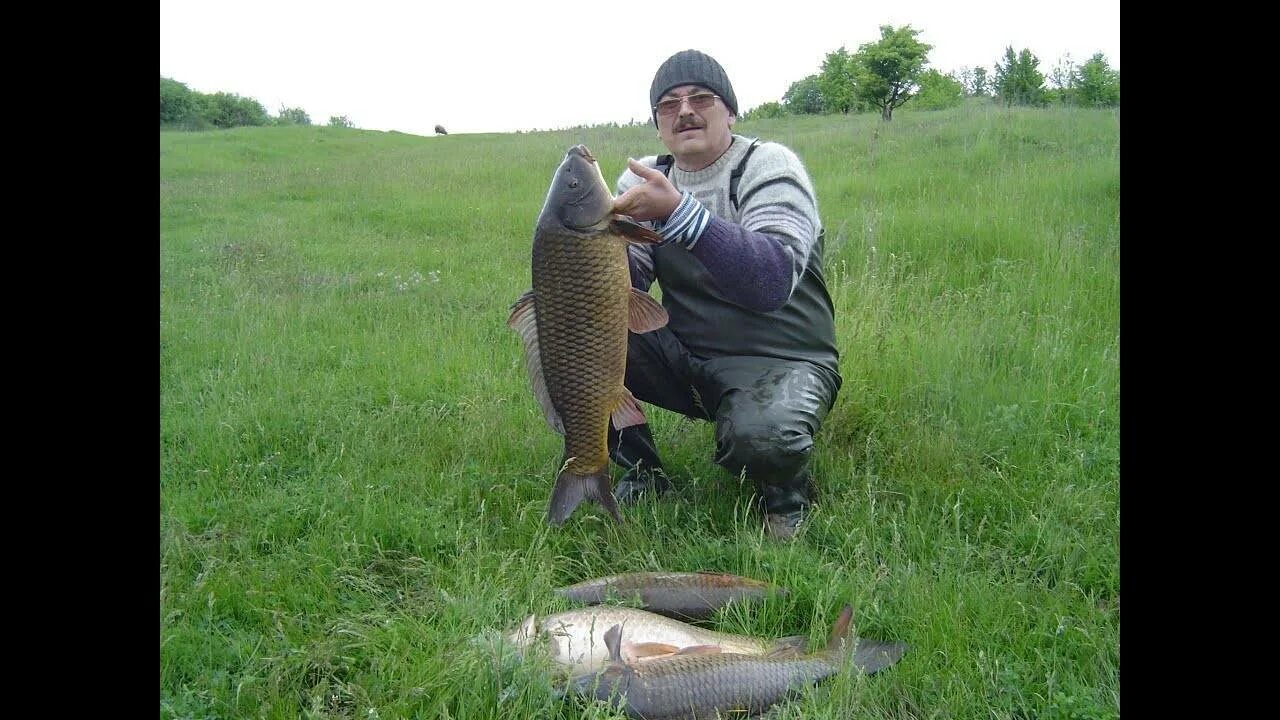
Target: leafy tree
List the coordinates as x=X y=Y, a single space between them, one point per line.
x=836 y=82
x=974 y=80
x=885 y=72
x=980 y=83
x=804 y=97
x=1063 y=79
x=341 y=121
x=177 y=102
x=765 y=110
x=1018 y=80
x=938 y=91
x=293 y=116
x=227 y=110
x=1097 y=84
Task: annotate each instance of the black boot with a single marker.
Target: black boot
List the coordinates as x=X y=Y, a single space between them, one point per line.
x=633 y=448
x=785 y=505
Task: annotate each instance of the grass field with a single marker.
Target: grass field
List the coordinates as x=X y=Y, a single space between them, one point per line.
x=354 y=473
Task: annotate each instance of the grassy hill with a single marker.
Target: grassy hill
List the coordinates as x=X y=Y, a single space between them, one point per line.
x=354 y=472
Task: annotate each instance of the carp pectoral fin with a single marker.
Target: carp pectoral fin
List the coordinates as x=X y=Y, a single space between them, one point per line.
x=701 y=650
x=644 y=314
x=524 y=320
x=633 y=231
x=650 y=650
x=628 y=412
x=790 y=646
x=871 y=656
x=571 y=489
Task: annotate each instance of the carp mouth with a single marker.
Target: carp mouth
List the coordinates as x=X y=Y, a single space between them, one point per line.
x=582 y=151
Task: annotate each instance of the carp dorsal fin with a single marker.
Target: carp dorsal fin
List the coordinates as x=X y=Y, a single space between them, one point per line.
x=524 y=320
x=634 y=231
x=628 y=412
x=842 y=630
x=613 y=641
x=644 y=314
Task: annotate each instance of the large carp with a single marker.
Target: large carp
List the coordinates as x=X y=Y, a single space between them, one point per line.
x=681 y=595
x=696 y=683
x=576 y=638
x=574 y=323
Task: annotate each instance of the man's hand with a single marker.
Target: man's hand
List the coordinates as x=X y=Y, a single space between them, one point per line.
x=653 y=199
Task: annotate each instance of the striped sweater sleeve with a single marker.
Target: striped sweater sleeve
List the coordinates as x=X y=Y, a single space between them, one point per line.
x=757 y=262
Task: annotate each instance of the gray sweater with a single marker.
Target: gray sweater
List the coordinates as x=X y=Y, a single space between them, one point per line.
x=744 y=282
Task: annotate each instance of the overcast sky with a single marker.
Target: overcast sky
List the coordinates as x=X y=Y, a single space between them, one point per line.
x=483 y=66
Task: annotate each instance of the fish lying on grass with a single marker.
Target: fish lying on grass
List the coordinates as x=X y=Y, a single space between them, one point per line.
x=574 y=323
x=682 y=595
x=575 y=638
x=695 y=684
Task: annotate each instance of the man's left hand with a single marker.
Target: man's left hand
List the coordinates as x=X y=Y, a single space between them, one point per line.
x=653 y=199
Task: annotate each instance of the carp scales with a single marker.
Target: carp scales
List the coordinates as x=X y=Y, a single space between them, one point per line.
x=573 y=324
x=576 y=638
x=682 y=595
x=697 y=684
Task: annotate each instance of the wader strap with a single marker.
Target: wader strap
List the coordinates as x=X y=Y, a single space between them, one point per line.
x=664 y=163
x=736 y=175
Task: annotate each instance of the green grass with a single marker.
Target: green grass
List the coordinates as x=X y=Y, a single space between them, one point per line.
x=354 y=473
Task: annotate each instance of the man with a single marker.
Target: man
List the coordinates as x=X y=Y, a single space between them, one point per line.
x=751 y=340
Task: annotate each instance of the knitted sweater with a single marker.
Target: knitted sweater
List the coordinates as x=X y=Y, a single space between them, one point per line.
x=746 y=281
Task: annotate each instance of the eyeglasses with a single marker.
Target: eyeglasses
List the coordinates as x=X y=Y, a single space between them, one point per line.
x=697 y=101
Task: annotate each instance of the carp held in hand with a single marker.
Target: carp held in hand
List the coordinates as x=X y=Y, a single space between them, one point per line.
x=574 y=323
x=682 y=595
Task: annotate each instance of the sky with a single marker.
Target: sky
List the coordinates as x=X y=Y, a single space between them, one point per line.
x=477 y=66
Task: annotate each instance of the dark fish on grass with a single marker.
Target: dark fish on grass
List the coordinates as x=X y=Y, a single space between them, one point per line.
x=696 y=684
x=682 y=595
x=574 y=324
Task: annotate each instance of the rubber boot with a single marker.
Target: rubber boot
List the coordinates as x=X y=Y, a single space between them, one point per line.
x=785 y=504
x=633 y=448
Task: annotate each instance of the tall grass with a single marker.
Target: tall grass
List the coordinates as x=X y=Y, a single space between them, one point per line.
x=354 y=473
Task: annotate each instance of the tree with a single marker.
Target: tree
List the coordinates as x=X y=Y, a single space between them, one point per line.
x=177 y=103
x=885 y=72
x=764 y=111
x=1018 y=80
x=227 y=110
x=980 y=82
x=1063 y=79
x=293 y=116
x=340 y=121
x=938 y=91
x=804 y=97
x=836 y=82
x=1097 y=84
x=974 y=80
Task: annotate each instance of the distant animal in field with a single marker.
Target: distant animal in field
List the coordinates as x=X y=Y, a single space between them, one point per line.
x=441 y=131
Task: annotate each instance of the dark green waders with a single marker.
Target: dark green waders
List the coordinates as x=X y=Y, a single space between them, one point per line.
x=766 y=412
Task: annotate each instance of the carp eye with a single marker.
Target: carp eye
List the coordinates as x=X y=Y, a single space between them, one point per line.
x=573 y=184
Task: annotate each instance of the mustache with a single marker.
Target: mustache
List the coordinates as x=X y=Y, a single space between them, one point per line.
x=687 y=126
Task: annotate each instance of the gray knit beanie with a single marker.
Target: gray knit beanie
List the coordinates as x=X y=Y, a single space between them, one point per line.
x=690 y=67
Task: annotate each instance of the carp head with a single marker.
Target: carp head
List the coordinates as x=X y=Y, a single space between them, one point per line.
x=578 y=199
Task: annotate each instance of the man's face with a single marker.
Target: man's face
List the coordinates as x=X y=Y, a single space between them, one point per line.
x=702 y=132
